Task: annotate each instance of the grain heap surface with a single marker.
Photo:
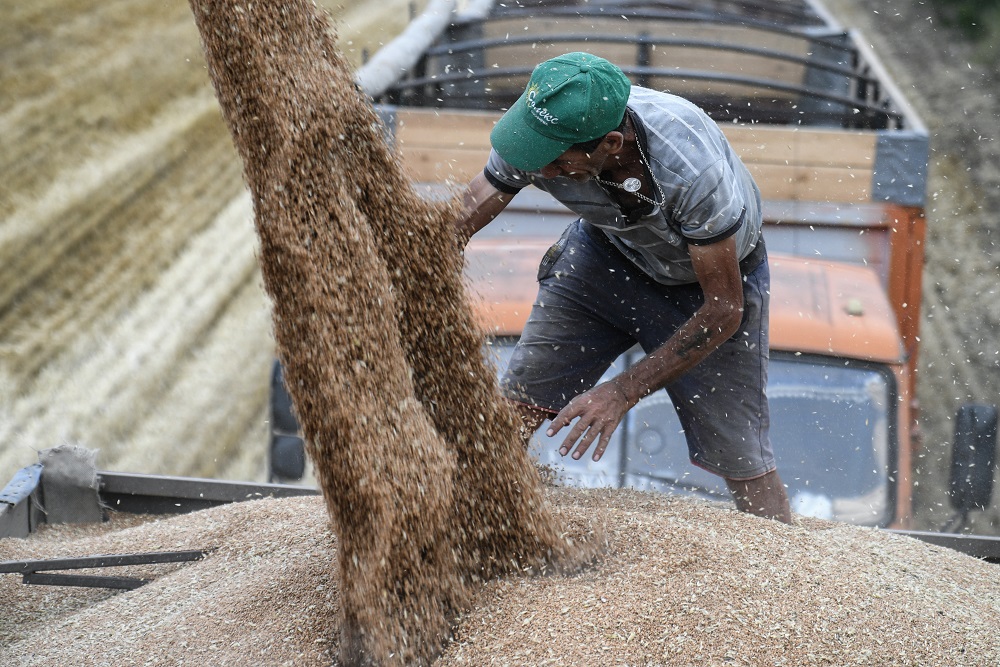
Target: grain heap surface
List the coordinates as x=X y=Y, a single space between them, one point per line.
x=425 y=478
x=683 y=583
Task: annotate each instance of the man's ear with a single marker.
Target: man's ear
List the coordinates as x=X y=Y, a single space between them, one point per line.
x=614 y=141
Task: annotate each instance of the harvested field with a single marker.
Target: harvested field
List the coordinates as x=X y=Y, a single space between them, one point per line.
x=132 y=318
x=683 y=583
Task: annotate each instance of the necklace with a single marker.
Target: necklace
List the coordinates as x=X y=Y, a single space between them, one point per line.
x=632 y=184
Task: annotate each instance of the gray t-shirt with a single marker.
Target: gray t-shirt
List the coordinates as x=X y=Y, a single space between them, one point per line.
x=709 y=194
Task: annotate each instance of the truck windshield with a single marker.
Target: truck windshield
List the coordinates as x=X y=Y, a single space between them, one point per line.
x=831 y=429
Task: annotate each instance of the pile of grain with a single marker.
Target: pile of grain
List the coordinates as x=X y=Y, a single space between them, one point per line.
x=683 y=583
x=421 y=464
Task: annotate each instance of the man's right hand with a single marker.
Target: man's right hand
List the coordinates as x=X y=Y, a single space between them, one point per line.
x=598 y=413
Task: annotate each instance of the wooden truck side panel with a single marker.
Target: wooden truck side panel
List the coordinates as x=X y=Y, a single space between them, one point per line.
x=805 y=164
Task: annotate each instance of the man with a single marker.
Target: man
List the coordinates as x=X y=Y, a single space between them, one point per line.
x=667 y=253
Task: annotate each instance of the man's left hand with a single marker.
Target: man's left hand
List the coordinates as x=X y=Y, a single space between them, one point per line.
x=600 y=410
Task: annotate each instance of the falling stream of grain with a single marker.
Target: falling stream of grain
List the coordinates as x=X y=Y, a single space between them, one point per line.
x=419 y=460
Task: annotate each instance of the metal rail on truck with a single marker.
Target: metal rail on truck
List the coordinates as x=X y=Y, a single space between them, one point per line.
x=983 y=547
x=806 y=70
x=159 y=494
x=41 y=572
x=22 y=502
x=27 y=502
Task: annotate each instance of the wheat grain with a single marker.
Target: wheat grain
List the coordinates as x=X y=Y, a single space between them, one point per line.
x=682 y=583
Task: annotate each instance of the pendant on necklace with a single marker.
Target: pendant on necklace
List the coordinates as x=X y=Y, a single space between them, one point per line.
x=631 y=184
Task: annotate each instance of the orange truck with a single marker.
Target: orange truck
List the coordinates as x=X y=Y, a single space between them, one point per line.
x=841 y=160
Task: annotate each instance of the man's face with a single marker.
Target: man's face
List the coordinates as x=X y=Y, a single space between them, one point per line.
x=578 y=165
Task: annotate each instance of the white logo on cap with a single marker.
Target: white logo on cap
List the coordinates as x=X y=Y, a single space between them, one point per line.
x=543 y=115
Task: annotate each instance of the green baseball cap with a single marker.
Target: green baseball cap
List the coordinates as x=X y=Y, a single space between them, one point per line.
x=570 y=99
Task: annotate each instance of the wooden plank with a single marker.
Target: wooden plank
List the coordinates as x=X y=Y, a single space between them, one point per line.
x=729 y=62
x=784 y=182
x=806 y=164
x=754 y=143
x=614 y=25
x=803 y=146
x=738 y=94
x=823 y=184
x=529 y=55
x=429 y=127
x=443 y=165
x=796 y=45
x=842 y=147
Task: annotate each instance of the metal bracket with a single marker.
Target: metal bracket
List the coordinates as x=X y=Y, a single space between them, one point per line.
x=37 y=571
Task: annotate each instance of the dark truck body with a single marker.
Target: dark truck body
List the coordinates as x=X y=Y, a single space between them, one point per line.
x=26 y=500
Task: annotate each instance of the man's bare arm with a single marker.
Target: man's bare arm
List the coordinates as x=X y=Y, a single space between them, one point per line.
x=717 y=269
x=481 y=203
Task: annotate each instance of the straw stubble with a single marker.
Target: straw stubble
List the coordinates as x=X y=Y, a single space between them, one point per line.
x=420 y=463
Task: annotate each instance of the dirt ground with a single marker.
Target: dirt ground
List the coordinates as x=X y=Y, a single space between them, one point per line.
x=132 y=319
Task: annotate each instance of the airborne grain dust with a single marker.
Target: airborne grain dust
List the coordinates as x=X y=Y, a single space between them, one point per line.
x=420 y=463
